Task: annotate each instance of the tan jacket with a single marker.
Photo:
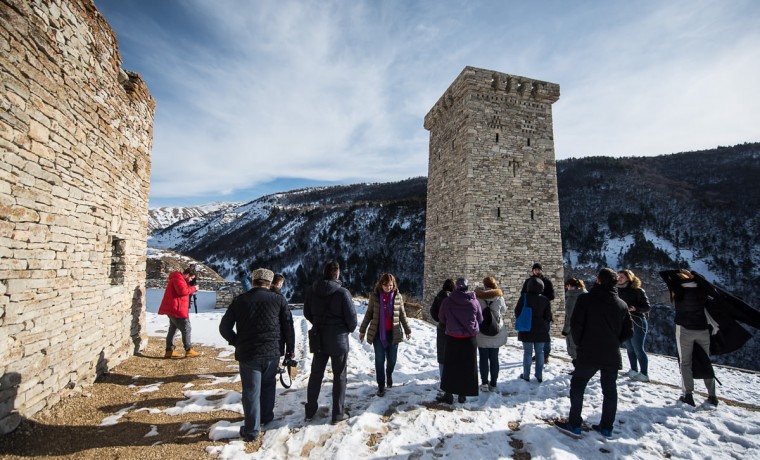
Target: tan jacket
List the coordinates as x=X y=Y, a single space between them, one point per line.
x=372 y=319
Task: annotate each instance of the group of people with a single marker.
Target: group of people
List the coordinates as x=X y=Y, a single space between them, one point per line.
x=612 y=313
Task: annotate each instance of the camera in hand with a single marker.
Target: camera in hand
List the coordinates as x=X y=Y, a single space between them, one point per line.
x=289 y=362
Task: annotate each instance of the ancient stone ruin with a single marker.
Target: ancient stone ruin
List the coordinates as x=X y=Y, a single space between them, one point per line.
x=492 y=204
x=75 y=140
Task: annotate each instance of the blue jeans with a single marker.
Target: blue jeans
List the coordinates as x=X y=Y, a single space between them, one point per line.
x=258 y=378
x=578 y=383
x=385 y=358
x=635 y=345
x=528 y=348
x=183 y=325
x=548 y=343
x=489 y=360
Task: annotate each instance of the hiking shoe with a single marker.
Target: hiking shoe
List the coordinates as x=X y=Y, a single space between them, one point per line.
x=462 y=399
x=565 y=427
x=191 y=353
x=484 y=388
x=639 y=377
x=688 y=399
x=247 y=438
x=447 y=398
x=603 y=431
x=381 y=391
x=172 y=354
x=338 y=418
x=713 y=400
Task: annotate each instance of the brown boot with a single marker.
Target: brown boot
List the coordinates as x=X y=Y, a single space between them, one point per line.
x=191 y=353
x=172 y=354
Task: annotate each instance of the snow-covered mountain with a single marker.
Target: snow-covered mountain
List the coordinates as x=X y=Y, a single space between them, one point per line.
x=162 y=217
x=695 y=209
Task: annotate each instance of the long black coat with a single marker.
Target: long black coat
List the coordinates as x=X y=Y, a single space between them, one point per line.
x=329 y=307
x=261 y=319
x=440 y=333
x=600 y=323
x=542 y=316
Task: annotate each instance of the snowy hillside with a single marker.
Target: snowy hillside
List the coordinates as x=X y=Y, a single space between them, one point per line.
x=163 y=217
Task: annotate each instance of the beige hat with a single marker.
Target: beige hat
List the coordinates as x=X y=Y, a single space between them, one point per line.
x=262 y=274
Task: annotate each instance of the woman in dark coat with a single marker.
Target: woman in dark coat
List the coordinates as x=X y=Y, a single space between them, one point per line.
x=440 y=333
x=460 y=313
x=630 y=292
x=538 y=334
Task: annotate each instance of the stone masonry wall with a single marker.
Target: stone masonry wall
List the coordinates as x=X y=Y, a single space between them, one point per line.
x=492 y=204
x=75 y=142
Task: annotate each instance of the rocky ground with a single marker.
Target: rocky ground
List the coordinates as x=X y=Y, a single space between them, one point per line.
x=72 y=429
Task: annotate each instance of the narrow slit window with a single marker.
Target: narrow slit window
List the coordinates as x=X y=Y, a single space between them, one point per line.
x=532 y=215
x=498 y=212
x=528 y=142
x=118 y=262
x=497 y=138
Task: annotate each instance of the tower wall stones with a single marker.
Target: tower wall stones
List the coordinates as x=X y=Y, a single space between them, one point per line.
x=492 y=206
x=75 y=142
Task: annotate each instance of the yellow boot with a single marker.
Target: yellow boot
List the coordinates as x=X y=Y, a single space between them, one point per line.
x=191 y=353
x=172 y=354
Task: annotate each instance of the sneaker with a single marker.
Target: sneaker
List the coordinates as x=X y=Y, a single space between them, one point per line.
x=639 y=377
x=462 y=399
x=484 y=388
x=191 y=353
x=492 y=388
x=688 y=399
x=565 y=427
x=713 y=400
x=603 y=431
x=172 y=354
x=630 y=373
x=447 y=398
x=338 y=418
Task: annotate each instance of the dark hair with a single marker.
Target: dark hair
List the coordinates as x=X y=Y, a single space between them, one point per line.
x=190 y=271
x=448 y=285
x=576 y=283
x=607 y=277
x=277 y=278
x=330 y=271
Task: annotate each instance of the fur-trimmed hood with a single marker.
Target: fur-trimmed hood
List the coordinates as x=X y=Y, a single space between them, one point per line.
x=484 y=294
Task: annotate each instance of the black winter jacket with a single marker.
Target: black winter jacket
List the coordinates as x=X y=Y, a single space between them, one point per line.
x=600 y=323
x=690 y=301
x=542 y=314
x=329 y=307
x=637 y=298
x=260 y=318
x=440 y=334
x=548 y=287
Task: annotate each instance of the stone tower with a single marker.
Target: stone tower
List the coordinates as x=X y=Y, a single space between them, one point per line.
x=492 y=206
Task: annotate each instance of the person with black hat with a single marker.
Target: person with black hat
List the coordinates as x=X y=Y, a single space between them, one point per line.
x=461 y=315
x=253 y=324
x=537 y=272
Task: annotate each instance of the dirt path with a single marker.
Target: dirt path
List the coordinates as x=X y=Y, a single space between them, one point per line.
x=72 y=429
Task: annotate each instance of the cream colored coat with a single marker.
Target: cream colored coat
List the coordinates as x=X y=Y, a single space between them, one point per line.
x=372 y=319
x=495 y=299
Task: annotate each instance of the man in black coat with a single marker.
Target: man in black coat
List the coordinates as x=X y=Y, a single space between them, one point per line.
x=260 y=318
x=330 y=309
x=599 y=325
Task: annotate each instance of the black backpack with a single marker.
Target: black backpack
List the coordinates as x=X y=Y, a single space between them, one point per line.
x=490 y=324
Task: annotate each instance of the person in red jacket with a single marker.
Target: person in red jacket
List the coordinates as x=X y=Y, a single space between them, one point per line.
x=176 y=305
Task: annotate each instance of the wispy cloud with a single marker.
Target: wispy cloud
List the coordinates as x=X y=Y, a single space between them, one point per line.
x=336 y=91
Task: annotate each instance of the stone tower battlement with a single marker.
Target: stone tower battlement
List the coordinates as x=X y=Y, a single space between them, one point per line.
x=492 y=205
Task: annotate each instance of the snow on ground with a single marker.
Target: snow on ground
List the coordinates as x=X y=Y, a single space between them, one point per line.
x=406 y=423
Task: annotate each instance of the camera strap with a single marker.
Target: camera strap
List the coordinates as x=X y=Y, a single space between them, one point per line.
x=286 y=370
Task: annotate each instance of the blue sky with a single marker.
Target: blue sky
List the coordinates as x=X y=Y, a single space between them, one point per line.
x=256 y=97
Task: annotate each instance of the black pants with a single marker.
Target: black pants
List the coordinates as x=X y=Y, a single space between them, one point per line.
x=608 y=380
x=340 y=370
